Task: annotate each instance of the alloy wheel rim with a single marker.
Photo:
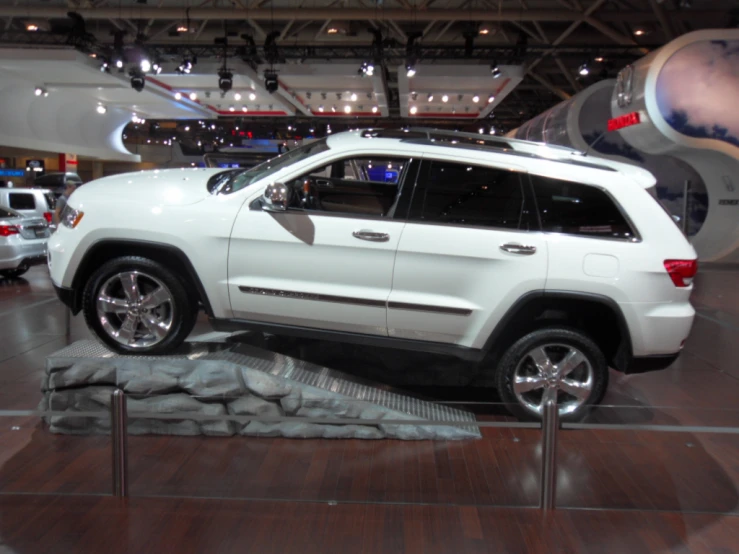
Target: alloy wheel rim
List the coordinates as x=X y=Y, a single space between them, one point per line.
x=135 y=309
x=555 y=371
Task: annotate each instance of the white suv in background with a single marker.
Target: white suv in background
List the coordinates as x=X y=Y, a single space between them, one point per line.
x=551 y=264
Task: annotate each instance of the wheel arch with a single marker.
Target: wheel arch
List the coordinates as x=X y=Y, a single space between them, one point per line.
x=598 y=316
x=107 y=249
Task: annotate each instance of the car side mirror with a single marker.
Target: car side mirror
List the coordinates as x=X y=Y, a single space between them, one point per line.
x=276 y=198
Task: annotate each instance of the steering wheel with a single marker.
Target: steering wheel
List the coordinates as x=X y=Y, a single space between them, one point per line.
x=309 y=194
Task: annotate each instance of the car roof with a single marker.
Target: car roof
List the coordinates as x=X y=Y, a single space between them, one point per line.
x=428 y=140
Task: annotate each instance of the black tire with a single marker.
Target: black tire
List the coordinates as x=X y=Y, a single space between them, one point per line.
x=184 y=306
x=13 y=273
x=549 y=336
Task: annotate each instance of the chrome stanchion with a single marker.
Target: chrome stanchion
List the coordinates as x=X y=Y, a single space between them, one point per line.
x=549 y=428
x=119 y=438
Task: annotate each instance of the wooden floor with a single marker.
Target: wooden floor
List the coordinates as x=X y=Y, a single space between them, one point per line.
x=618 y=491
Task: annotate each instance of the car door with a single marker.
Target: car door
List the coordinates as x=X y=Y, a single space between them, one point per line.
x=469 y=250
x=327 y=262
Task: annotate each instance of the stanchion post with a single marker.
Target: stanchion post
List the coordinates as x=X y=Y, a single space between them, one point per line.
x=550 y=428
x=119 y=440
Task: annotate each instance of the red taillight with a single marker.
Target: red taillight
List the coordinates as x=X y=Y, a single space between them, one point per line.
x=7 y=230
x=681 y=271
x=47 y=217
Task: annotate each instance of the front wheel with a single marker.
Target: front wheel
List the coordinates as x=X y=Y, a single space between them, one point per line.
x=557 y=363
x=138 y=306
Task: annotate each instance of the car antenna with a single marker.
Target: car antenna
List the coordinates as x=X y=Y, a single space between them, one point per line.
x=596 y=141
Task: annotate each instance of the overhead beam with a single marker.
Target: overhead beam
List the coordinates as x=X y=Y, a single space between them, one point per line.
x=659 y=11
x=304 y=14
x=549 y=86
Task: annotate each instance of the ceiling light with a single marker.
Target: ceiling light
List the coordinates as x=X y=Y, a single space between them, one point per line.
x=182 y=28
x=270 y=81
x=374 y=109
x=414 y=110
x=445 y=98
x=347 y=109
x=101 y=109
x=157 y=68
x=475 y=98
x=231 y=108
x=599 y=59
x=38 y=91
x=495 y=71
x=119 y=63
x=640 y=31
x=244 y=109
x=187 y=128
x=431 y=98
x=237 y=96
x=252 y=96
x=104 y=66
x=584 y=70
x=32 y=27
x=492 y=130
x=333 y=109
x=332 y=30
x=353 y=97
x=491 y=99
x=367 y=69
x=178 y=96
x=145 y=65
x=481 y=130
x=484 y=30
x=320 y=109
x=193 y=96
x=225 y=80
x=410 y=69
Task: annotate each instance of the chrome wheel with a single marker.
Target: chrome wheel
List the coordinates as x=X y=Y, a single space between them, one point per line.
x=557 y=371
x=135 y=309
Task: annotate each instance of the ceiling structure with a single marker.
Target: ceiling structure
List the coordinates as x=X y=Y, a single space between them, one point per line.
x=539 y=49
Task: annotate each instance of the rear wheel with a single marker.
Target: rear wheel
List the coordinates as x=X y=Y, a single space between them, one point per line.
x=559 y=364
x=136 y=305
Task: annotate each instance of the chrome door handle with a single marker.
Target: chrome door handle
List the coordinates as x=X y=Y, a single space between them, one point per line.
x=515 y=248
x=371 y=236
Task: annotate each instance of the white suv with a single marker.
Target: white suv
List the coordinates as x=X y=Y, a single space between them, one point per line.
x=552 y=264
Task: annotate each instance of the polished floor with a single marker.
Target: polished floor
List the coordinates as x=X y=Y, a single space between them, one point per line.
x=618 y=490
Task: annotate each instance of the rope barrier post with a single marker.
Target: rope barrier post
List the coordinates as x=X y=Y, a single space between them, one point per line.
x=119 y=439
x=550 y=428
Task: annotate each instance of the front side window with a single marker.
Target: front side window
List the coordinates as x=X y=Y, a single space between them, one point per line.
x=22 y=201
x=367 y=185
x=270 y=167
x=465 y=194
x=576 y=209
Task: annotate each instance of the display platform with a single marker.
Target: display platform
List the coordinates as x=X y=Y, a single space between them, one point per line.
x=216 y=374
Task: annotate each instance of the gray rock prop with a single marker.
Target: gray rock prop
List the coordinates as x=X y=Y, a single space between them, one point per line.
x=213 y=387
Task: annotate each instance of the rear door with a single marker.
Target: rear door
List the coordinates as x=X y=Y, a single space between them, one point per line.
x=471 y=247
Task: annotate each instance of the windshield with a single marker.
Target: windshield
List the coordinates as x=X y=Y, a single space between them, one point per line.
x=270 y=167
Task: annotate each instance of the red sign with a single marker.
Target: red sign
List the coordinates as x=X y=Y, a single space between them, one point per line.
x=625 y=120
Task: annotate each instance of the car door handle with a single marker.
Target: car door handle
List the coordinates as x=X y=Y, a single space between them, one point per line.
x=324 y=183
x=515 y=248
x=371 y=236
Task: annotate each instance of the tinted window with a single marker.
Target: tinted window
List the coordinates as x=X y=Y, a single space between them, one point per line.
x=470 y=195
x=50 y=200
x=22 y=201
x=577 y=209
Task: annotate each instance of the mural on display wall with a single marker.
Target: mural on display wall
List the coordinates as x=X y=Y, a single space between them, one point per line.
x=693 y=86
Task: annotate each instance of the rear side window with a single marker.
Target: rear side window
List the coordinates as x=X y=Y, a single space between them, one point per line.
x=465 y=194
x=22 y=201
x=50 y=200
x=576 y=209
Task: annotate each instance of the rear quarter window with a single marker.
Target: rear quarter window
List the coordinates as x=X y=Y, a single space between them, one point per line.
x=576 y=209
x=21 y=201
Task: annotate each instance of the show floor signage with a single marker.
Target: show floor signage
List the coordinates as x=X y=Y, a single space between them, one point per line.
x=12 y=173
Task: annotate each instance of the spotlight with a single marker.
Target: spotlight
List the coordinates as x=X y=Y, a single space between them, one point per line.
x=414 y=110
x=178 y=96
x=193 y=96
x=32 y=27
x=492 y=130
x=584 y=70
x=104 y=66
x=484 y=30
x=145 y=65
x=225 y=80
x=38 y=91
x=270 y=81
x=231 y=108
x=491 y=99
x=182 y=28
x=367 y=69
x=445 y=98
x=237 y=96
x=495 y=71
x=374 y=109
x=347 y=109
x=333 y=109
x=137 y=80
x=119 y=63
x=430 y=98
x=101 y=109
x=320 y=109
x=480 y=130
x=186 y=65
x=187 y=128
x=599 y=59
x=410 y=69
x=157 y=68
x=244 y=109
x=252 y=96
x=353 y=97
x=475 y=98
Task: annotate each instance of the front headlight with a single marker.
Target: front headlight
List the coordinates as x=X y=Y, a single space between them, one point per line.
x=70 y=217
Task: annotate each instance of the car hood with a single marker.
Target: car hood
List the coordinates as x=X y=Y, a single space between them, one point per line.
x=159 y=187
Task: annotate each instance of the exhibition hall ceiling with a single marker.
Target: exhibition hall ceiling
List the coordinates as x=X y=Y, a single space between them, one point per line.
x=453 y=62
